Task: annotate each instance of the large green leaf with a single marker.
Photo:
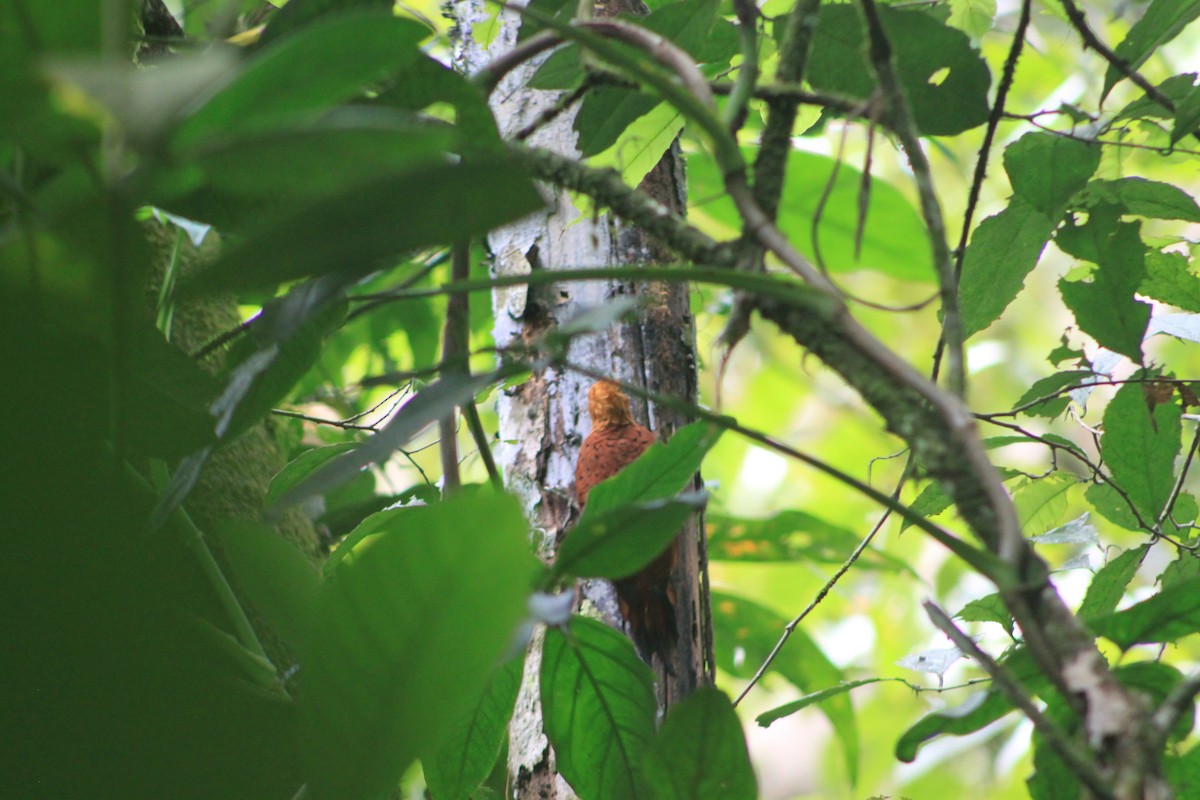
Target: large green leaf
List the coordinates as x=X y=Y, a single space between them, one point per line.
x=456 y=769
x=598 y=710
x=605 y=114
x=1144 y=198
x=1047 y=170
x=907 y=257
x=1169 y=615
x=922 y=47
x=1106 y=308
x=1161 y=23
x=320 y=66
x=1169 y=280
x=1003 y=250
x=700 y=752
x=353 y=232
x=1041 y=503
x=296 y=16
x=1139 y=446
x=411 y=623
x=745 y=635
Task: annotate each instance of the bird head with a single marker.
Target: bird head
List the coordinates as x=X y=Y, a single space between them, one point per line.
x=608 y=405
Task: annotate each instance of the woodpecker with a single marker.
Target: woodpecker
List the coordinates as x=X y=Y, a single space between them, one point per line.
x=646 y=598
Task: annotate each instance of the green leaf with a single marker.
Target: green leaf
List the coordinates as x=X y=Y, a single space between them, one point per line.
x=1154 y=680
x=1161 y=23
x=1047 y=170
x=700 y=752
x=1187 y=116
x=280 y=581
x=619 y=542
x=1105 y=308
x=319 y=66
x=787 y=709
x=1042 y=502
x=345 y=149
x=972 y=17
x=598 y=709
x=922 y=47
x=1169 y=280
x=989 y=608
x=297 y=16
x=1176 y=89
x=351 y=232
x=1139 y=446
x=904 y=257
x=641 y=146
x=1184 y=569
x=1169 y=615
x=417 y=616
x=746 y=635
x=457 y=768
x=1183 y=772
x=1044 y=387
x=605 y=114
x=932 y=501
x=1109 y=584
x=790 y=536
x=1143 y=198
x=1003 y=250
x=301 y=467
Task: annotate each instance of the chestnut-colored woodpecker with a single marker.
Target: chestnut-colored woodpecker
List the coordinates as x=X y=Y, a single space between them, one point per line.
x=646 y=598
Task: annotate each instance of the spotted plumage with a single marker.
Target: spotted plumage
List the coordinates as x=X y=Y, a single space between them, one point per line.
x=647 y=598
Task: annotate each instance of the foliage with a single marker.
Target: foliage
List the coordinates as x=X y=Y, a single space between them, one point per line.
x=325 y=172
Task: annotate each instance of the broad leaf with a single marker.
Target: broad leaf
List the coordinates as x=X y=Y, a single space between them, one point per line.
x=1003 y=250
x=906 y=257
x=1106 y=308
x=1187 y=116
x=1143 y=198
x=700 y=752
x=598 y=709
x=1047 y=170
x=1053 y=406
x=294 y=17
x=1042 y=502
x=301 y=467
x=1169 y=280
x=418 y=615
x=922 y=47
x=456 y=769
x=619 y=542
x=1169 y=615
x=605 y=114
x=354 y=231
x=1139 y=447
x=323 y=64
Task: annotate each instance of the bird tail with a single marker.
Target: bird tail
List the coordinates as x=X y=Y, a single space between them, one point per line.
x=647 y=602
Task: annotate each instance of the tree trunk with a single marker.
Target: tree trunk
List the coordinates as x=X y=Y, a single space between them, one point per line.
x=545 y=420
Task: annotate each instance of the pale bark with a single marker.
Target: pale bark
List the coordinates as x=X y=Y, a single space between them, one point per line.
x=543 y=421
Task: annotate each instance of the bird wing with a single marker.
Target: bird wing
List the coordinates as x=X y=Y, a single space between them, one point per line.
x=607 y=451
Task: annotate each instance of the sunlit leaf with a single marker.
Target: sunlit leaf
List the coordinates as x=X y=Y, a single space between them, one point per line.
x=989 y=608
x=1169 y=280
x=787 y=536
x=1169 y=615
x=1047 y=170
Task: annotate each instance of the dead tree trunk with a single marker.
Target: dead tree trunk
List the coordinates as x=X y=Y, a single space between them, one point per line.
x=545 y=420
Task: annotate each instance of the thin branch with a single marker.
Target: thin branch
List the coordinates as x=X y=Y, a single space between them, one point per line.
x=1090 y=39
x=743 y=87
x=981 y=163
x=1083 y=766
x=1179 y=701
x=333 y=423
x=905 y=129
x=820 y=596
x=1094 y=140
x=489 y=77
